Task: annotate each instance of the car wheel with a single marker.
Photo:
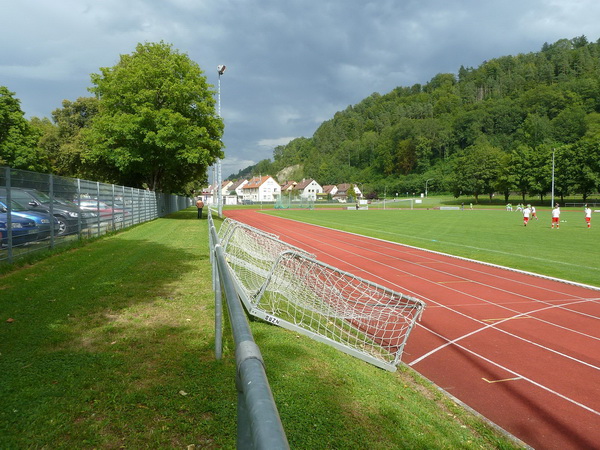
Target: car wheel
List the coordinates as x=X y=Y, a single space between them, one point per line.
x=62 y=225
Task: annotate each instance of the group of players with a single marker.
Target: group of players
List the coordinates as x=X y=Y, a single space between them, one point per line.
x=530 y=212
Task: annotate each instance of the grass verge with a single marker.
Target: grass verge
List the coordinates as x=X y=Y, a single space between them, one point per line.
x=111 y=345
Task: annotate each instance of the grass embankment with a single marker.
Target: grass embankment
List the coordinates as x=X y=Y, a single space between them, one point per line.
x=496 y=236
x=110 y=345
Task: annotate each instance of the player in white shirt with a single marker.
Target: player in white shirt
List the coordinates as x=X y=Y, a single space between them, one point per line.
x=533 y=213
x=526 y=213
x=556 y=216
x=588 y=216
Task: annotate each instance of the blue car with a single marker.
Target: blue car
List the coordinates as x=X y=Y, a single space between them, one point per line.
x=43 y=221
x=23 y=230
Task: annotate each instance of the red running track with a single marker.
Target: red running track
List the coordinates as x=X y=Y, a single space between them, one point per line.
x=522 y=350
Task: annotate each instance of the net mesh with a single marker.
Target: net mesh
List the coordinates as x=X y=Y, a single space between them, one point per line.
x=292 y=286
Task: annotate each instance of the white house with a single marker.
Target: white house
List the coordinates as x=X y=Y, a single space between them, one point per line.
x=237 y=189
x=309 y=189
x=342 y=193
x=261 y=189
x=330 y=189
x=225 y=185
x=288 y=187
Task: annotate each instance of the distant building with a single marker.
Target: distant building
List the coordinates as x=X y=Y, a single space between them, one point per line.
x=237 y=189
x=288 y=187
x=330 y=189
x=346 y=190
x=309 y=189
x=261 y=189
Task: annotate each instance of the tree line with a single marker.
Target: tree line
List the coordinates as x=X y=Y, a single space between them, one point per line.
x=498 y=128
x=151 y=123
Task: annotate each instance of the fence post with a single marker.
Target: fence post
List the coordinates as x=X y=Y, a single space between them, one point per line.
x=8 y=217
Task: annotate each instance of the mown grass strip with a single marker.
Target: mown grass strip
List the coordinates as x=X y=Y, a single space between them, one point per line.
x=111 y=345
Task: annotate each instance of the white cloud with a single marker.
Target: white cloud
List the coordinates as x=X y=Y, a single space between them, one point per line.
x=272 y=143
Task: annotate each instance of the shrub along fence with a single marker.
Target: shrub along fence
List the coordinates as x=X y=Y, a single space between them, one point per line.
x=40 y=211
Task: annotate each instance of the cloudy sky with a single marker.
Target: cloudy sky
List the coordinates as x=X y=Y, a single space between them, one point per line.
x=290 y=64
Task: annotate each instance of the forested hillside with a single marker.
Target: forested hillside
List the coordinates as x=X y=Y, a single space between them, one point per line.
x=494 y=128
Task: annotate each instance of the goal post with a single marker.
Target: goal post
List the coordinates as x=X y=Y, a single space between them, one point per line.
x=397 y=203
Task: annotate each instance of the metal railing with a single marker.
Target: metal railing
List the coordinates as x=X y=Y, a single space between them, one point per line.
x=259 y=425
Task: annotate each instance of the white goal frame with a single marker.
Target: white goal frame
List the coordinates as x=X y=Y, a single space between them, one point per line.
x=288 y=287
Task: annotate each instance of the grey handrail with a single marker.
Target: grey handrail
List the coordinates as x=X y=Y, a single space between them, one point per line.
x=259 y=425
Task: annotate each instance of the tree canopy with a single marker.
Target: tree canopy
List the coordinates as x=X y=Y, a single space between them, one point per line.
x=156 y=124
x=151 y=124
x=18 y=139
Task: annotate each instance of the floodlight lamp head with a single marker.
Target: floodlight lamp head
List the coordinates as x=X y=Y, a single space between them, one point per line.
x=221 y=69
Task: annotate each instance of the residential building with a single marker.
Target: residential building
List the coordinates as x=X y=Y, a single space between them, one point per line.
x=345 y=190
x=225 y=185
x=288 y=187
x=261 y=189
x=309 y=189
x=329 y=190
x=237 y=189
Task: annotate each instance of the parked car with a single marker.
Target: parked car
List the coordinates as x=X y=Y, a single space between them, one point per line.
x=67 y=213
x=23 y=230
x=104 y=209
x=44 y=221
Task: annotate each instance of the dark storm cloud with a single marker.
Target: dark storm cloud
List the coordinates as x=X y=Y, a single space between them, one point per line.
x=290 y=65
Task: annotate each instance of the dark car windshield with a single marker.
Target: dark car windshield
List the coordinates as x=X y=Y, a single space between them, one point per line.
x=15 y=206
x=42 y=197
x=45 y=199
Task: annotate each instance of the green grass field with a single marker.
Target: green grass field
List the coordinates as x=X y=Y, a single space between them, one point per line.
x=492 y=235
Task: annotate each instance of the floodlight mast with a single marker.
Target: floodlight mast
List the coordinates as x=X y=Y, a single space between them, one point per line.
x=552 y=200
x=220 y=70
x=427 y=181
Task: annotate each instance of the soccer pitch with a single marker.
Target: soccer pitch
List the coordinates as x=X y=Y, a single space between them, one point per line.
x=495 y=236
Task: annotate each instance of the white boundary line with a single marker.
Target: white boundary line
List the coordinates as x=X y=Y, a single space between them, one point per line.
x=516 y=374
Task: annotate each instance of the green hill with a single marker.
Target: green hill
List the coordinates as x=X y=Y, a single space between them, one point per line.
x=484 y=130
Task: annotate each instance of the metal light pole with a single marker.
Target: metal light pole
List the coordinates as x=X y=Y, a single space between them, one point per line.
x=362 y=195
x=384 y=195
x=552 y=204
x=218 y=182
x=427 y=181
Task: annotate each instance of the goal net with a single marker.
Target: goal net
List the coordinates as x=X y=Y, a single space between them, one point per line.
x=289 y=287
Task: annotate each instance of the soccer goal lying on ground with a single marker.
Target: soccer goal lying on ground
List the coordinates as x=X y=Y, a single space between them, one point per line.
x=287 y=286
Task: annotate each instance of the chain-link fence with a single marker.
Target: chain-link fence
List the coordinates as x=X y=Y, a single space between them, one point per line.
x=40 y=211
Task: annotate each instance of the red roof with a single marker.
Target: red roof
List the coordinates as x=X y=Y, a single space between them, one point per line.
x=256 y=182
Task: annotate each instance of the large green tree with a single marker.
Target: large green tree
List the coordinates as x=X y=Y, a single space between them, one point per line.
x=62 y=139
x=476 y=170
x=156 y=125
x=18 y=139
